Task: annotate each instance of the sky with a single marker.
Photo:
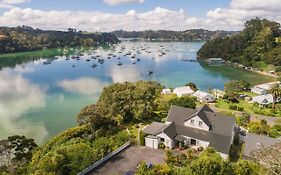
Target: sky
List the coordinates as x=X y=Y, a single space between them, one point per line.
x=136 y=15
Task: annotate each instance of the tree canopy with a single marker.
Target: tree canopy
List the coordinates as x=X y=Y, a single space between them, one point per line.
x=257 y=42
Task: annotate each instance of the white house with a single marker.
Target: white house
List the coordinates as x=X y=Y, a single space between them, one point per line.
x=263 y=89
x=193 y=127
x=183 y=91
x=264 y=100
x=218 y=93
x=166 y=91
x=204 y=96
x=258 y=90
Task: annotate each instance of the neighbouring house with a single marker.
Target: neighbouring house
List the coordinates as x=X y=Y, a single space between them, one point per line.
x=258 y=90
x=183 y=91
x=254 y=142
x=263 y=89
x=215 y=61
x=264 y=100
x=193 y=127
x=166 y=91
x=218 y=93
x=204 y=96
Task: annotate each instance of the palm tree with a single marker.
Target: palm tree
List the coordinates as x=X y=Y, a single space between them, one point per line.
x=276 y=93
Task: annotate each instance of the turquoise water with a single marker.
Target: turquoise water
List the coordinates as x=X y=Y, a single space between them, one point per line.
x=40 y=100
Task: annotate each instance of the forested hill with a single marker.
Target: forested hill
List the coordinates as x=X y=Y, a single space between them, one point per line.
x=258 y=43
x=188 y=35
x=25 y=38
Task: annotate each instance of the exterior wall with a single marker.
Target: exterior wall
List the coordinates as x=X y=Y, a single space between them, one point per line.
x=152 y=143
x=169 y=143
x=196 y=123
x=206 y=98
x=202 y=143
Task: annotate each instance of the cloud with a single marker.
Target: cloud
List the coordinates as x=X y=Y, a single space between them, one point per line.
x=15 y=1
x=125 y=73
x=86 y=86
x=228 y=18
x=17 y=96
x=116 y=2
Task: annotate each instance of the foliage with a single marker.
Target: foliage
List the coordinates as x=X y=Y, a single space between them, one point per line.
x=130 y=101
x=259 y=127
x=142 y=138
x=207 y=163
x=185 y=101
x=192 y=86
x=236 y=86
x=255 y=43
x=231 y=98
x=244 y=119
x=188 y=35
x=25 y=38
x=276 y=93
x=73 y=150
x=161 y=146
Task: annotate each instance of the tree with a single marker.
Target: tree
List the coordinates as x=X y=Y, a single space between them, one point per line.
x=276 y=93
x=245 y=167
x=188 y=102
x=192 y=86
x=22 y=147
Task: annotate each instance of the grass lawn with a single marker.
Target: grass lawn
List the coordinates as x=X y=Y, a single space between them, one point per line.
x=248 y=107
x=36 y=54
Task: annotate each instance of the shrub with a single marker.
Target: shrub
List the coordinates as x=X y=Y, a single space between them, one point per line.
x=233 y=107
x=142 y=139
x=161 y=146
x=239 y=108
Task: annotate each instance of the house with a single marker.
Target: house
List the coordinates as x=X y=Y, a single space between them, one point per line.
x=254 y=142
x=204 y=96
x=193 y=127
x=258 y=90
x=215 y=61
x=183 y=91
x=218 y=93
x=263 y=89
x=166 y=91
x=264 y=100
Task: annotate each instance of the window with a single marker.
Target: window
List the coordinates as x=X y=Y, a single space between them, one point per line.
x=200 y=123
x=192 y=122
x=162 y=139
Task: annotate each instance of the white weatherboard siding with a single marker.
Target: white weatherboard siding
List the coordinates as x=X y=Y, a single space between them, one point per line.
x=204 y=96
x=169 y=143
x=183 y=91
x=196 y=120
x=166 y=91
x=202 y=143
x=152 y=142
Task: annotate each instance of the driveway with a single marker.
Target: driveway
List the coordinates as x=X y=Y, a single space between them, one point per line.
x=129 y=159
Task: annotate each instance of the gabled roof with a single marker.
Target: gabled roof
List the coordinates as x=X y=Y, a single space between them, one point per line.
x=201 y=114
x=179 y=114
x=156 y=128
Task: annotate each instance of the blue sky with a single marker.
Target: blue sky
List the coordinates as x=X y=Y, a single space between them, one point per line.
x=197 y=8
x=109 y=15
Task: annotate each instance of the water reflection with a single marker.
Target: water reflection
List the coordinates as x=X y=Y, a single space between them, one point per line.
x=125 y=73
x=85 y=85
x=18 y=96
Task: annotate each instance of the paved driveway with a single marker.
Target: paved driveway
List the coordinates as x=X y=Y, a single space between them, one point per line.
x=129 y=159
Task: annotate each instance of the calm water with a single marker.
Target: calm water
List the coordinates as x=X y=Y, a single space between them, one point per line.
x=40 y=100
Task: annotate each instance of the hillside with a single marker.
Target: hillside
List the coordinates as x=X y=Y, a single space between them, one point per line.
x=258 y=43
x=25 y=38
x=188 y=35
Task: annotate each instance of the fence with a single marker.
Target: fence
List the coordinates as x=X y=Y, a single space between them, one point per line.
x=104 y=159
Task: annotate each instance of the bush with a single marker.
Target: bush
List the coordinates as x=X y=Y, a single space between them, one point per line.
x=142 y=139
x=161 y=146
x=233 y=107
x=239 y=108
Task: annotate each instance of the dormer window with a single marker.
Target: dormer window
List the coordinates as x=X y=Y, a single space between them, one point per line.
x=200 y=124
x=192 y=122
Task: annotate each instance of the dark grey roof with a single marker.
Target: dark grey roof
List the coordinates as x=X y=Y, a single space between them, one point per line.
x=201 y=113
x=170 y=131
x=254 y=142
x=219 y=135
x=179 y=114
x=154 y=129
